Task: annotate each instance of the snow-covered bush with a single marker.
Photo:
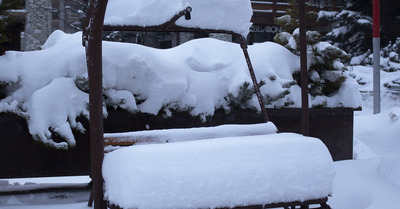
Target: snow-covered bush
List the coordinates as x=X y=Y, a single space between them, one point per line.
x=389 y=62
x=389 y=57
x=49 y=87
x=326 y=70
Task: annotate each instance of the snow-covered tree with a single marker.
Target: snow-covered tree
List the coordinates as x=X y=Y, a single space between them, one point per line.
x=276 y=98
x=352 y=31
x=290 y=21
x=390 y=57
x=325 y=67
x=389 y=15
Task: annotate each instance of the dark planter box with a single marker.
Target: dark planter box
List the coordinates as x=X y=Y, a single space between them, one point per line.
x=21 y=156
x=333 y=126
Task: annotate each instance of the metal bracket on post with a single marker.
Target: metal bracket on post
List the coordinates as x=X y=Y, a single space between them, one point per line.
x=186 y=12
x=243 y=45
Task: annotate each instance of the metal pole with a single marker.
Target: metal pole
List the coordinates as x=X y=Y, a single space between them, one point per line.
x=243 y=45
x=305 y=117
x=92 y=40
x=376 y=41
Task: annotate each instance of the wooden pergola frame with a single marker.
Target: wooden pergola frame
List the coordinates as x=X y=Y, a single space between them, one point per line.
x=92 y=40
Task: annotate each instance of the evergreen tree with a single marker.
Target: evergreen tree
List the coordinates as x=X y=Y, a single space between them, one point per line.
x=352 y=31
x=353 y=26
x=325 y=67
x=240 y=99
x=290 y=21
x=389 y=15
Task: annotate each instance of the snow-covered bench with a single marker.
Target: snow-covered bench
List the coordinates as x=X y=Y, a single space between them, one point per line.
x=258 y=171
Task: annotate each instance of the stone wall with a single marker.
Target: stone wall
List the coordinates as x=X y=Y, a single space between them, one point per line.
x=37 y=24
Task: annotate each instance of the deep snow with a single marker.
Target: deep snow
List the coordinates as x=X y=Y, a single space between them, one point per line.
x=199 y=76
x=370 y=181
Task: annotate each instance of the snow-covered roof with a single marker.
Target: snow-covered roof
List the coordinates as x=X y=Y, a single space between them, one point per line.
x=221 y=172
x=229 y=15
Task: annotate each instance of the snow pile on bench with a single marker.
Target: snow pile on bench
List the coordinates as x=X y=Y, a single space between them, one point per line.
x=229 y=15
x=189 y=134
x=222 y=172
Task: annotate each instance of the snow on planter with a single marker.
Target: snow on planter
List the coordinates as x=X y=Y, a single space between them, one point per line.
x=221 y=172
x=199 y=77
x=230 y=15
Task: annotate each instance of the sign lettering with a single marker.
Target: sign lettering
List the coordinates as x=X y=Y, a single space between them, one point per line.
x=265 y=29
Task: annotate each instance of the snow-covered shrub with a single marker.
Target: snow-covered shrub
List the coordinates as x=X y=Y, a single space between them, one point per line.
x=389 y=57
x=389 y=62
x=50 y=87
x=326 y=71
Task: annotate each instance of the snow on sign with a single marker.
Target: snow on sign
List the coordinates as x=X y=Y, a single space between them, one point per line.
x=229 y=15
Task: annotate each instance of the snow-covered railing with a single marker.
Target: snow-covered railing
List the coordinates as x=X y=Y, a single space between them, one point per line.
x=227 y=15
x=187 y=134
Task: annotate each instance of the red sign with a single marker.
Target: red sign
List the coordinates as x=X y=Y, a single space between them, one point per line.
x=376 y=18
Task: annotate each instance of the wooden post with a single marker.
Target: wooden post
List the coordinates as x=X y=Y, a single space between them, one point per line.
x=92 y=40
x=305 y=117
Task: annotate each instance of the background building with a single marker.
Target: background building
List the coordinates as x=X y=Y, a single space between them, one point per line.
x=40 y=18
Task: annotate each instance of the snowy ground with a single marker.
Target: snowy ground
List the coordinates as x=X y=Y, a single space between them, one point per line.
x=370 y=181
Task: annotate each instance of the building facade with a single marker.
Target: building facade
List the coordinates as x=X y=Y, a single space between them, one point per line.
x=42 y=17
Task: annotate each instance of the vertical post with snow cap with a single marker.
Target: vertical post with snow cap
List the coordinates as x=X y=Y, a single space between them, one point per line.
x=305 y=116
x=376 y=49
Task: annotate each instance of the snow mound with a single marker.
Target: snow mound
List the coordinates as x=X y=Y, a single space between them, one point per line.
x=380 y=132
x=61 y=101
x=367 y=190
x=229 y=15
x=199 y=77
x=220 y=172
